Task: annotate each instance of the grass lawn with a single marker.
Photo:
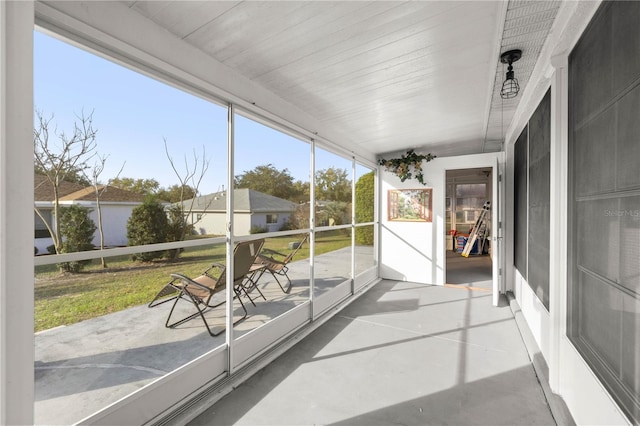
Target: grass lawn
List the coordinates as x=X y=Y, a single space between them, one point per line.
x=62 y=299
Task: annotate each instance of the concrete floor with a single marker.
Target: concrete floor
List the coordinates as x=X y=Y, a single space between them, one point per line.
x=401 y=354
x=468 y=270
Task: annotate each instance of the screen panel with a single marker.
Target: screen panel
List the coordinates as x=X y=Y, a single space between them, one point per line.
x=604 y=218
x=520 y=205
x=539 y=198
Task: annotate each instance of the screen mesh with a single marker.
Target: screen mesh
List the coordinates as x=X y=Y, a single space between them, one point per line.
x=539 y=163
x=604 y=218
x=520 y=203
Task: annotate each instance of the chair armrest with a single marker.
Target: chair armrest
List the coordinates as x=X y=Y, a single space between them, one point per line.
x=220 y=266
x=267 y=259
x=272 y=252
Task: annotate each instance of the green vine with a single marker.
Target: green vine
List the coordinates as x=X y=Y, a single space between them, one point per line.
x=407 y=165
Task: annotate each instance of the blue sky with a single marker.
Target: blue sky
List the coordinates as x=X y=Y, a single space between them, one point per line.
x=134 y=113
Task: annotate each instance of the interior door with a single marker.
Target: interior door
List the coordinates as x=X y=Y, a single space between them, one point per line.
x=496 y=234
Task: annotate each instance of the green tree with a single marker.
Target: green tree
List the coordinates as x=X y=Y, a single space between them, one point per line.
x=333 y=184
x=365 y=206
x=268 y=179
x=176 y=193
x=141 y=186
x=76 y=229
x=300 y=192
x=147 y=224
x=337 y=212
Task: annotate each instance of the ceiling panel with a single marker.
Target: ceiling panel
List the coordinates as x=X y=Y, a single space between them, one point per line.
x=183 y=17
x=388 y=75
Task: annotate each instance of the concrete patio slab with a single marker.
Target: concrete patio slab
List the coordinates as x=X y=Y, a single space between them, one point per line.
x=84 y=367
x=403 y=353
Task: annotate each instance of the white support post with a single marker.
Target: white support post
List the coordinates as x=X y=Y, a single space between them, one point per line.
x=229 y=231
x=377 y=196
x=16 y=213
x=558 y=179
x=353 y=225
x=312 y=224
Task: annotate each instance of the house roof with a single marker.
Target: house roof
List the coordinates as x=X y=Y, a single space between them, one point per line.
x=244 y=199
x=111 y=193
x=70 y=191
x=43 y=189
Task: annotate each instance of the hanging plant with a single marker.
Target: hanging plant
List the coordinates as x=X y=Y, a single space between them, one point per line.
x=409 y=165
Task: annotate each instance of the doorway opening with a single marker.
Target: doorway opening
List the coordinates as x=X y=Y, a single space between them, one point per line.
x=467 y=191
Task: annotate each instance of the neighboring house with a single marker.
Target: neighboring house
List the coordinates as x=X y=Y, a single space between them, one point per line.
x=251 y=209
x=116 y=205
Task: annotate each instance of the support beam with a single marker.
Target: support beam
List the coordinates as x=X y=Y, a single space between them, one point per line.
x=558 y=179
x=16 y=213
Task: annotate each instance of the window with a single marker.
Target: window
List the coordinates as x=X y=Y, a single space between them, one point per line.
x=604 y=217
x=364 y=211
x=134 y=115
x=470 y=198
x=41 y=230
x=520 y=202
x=272 y=218
x=538 y=240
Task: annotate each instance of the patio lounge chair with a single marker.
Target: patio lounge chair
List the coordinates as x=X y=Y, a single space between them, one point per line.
x=276 y=263
x=200 y=290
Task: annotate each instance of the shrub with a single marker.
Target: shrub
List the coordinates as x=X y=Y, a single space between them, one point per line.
x=337 y=212
x=76 y=230
x=286 y=226
x=257 y=229
x=299 y=219
x=177 y=229
x=365 y=206
x=147 y=225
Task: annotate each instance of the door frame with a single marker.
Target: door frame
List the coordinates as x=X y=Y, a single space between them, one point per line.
x=494 y=161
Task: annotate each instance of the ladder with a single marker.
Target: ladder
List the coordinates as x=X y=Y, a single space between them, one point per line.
x=478 y=230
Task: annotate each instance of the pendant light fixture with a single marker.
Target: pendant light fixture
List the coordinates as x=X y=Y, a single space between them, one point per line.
x=510 y=86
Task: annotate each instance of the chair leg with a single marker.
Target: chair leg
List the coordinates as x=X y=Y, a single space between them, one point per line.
x=166 y=290
x=288 y=290
x=187 y=318
x=238 y=290
x=280 y=284
x=253 y=284
x=196 y=304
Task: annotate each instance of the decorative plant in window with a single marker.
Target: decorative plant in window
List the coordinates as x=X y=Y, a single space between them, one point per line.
x=409 y=165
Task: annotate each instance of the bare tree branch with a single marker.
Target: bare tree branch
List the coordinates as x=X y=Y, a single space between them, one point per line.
x=192 y=176
x=58 y=161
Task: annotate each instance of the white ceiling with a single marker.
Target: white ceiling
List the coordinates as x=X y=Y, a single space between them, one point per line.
x=389 y=76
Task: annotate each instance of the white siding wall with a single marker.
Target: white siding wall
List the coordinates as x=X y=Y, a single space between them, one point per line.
x=214 y=223
x=41 y=244
x=242 y=223
x=114 y=224
x=260 y=219
x=211 y=224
